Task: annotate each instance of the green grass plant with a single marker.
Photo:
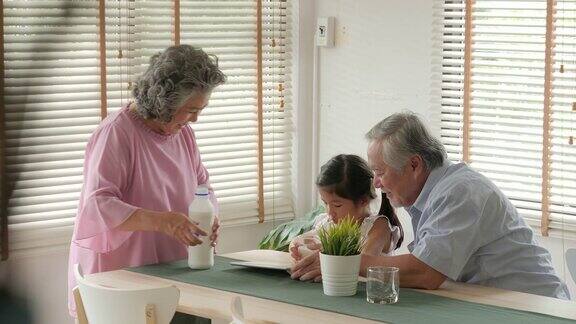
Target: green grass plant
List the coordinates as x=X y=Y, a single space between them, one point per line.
x=341 y=239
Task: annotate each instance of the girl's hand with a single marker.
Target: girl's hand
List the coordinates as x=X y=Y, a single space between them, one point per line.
x=295 y=250
x=301 y=247
x=312 y=243
x=180 y=227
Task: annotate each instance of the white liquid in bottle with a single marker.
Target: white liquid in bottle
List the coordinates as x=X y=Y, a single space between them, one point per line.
x=201 y=211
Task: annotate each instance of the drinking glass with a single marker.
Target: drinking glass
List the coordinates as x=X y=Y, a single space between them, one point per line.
x=382 y=285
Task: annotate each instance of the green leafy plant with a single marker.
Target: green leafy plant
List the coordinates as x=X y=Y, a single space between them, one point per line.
x=343 y=238
x=280 y=237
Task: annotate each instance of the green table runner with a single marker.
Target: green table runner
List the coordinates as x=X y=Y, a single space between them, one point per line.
x=412 y=307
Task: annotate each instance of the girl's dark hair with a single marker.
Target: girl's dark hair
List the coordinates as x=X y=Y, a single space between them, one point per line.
x=387 y=210
x=349 y=177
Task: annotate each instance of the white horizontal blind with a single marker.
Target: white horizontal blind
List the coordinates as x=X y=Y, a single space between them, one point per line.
x=227 y=130
x=52 y=105
x=506 y=102
x=4 y=250
x=563 y=162
x=121 y=24
x=151 y=31
x=451 y=17
x=277 y=109
x=508 y=96
x=134 y=32
x=52 y=101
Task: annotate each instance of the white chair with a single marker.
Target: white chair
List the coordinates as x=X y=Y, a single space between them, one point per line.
x=237 y=311
x=96 y=304
x=571 y=262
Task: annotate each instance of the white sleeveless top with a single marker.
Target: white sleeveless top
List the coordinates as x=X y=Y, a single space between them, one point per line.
x=323 y=220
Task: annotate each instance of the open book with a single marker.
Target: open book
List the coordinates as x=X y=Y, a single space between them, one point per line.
x=266 y=259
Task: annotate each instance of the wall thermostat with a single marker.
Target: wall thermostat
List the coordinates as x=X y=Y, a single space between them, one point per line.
x=325 y=32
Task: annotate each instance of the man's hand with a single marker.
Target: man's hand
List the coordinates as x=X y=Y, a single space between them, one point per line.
x=307 y=268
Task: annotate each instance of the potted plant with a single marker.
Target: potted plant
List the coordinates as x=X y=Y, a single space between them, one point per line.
x=340 y=257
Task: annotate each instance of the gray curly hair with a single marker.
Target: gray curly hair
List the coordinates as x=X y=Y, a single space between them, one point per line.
x=403 y=135
x=172 y=77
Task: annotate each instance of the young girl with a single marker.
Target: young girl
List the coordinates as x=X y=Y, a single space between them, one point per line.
x=345 y=185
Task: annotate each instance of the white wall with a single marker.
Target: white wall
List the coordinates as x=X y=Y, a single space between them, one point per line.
x=381 y=64
x=42 y=278
x=303 y=15
x=557 y=247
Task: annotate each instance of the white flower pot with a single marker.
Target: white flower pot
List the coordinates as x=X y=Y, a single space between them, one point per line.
x=339 y=274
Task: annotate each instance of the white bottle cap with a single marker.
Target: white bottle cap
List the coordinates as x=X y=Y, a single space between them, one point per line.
x=202 y=190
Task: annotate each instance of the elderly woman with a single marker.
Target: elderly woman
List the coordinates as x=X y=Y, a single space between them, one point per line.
x=142 y=167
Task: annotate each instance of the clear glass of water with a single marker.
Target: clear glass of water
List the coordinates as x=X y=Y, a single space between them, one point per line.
x=382 y=285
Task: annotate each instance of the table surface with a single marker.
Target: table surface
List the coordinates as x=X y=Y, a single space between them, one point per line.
x=214 y=303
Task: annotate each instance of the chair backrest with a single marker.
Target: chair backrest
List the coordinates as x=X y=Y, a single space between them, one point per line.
x=105 y=305
x=237 y=311
x=571 y=262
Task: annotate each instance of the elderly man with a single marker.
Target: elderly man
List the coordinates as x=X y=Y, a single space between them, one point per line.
x=465 y=229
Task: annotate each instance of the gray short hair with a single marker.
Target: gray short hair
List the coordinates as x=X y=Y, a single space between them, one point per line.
x=172 y=77
x=403 y=135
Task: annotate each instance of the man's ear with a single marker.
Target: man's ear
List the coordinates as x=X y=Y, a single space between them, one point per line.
x=417 y=164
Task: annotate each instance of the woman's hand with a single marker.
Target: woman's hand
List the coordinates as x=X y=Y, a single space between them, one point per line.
x=180 y=227
x=215 y=231
x=308 y=268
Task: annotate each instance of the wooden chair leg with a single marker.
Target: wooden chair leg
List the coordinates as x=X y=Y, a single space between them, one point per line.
x=80 y=312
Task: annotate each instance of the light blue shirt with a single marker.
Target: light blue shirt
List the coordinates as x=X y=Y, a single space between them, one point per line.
x=466 y=228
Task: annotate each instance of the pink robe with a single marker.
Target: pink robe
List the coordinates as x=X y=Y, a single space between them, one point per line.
x=128 y=166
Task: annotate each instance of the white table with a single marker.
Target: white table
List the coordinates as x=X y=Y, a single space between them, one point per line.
x=214 y=303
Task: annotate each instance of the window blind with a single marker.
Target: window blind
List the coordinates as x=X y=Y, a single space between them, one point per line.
x=51 y=105
x=494 y=112
x=53 y=101
x=563 y=121
x=3 y=182
x=228 y=29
